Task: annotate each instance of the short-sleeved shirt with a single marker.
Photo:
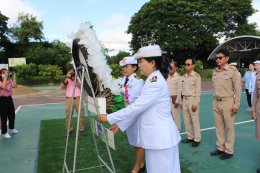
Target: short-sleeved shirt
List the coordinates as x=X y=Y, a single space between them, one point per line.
x=227 y=83
x=69 y=89
x=191 y=86
x=8 y=91
x=174 y=85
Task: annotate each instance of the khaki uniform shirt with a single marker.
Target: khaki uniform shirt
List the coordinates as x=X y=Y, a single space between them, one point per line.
x=174 y=85
x=256 y=92
x=191 y=86
x=227 y=83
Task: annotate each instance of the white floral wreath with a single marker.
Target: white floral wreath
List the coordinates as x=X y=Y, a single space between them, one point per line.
x=96 y=57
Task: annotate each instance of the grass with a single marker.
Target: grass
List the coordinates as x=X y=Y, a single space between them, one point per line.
x=52 y=145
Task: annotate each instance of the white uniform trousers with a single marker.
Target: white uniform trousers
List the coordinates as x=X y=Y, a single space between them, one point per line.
x=163 y=161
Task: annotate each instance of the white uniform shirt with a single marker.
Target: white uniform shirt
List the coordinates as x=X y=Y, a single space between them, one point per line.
x=134 y=86
x=153 y=106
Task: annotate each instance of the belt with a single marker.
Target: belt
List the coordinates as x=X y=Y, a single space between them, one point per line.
x=74 y=97
x=188 y=97
x=220 y=99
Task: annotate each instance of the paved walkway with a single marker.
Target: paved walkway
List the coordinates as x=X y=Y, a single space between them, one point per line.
x=18 y=154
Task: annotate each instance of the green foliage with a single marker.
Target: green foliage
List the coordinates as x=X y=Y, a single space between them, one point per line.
x=50 y=53
x=28 y=29
x=115 y=59
x=116 y=70
x=118 y=102
x=26 y=71
x=53 y=71
x=3 y=31
x=185 y=28
x=39 y=80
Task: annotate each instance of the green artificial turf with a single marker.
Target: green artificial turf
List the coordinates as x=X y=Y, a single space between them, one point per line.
x=52 y=146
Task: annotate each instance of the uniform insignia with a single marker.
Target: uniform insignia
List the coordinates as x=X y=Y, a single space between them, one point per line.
x=124 y=60
x=154 y=79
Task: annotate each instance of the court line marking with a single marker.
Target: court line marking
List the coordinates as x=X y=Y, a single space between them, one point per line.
x=210 y=128
x=40 y=104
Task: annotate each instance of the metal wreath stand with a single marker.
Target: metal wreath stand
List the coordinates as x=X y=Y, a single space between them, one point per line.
x=82 y=70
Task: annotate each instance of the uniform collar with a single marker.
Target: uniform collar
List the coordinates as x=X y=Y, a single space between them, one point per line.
x=132 y=76
x=175 y=74
x=225 y=68
x=192 y=74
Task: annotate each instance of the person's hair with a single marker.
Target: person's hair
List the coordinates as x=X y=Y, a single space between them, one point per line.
x=223 y=51
x=174 y=63
x=135 y=65
x=1 y=71
x=161 y=63
x=192 y=60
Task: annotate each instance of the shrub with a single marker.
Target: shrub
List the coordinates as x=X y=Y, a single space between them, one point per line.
x=53 y=71
x=26 y=72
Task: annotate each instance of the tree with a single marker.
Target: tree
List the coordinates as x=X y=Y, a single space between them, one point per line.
x=188 y=28
x=28 y=29
x=4 y=41
x=116 y=58
x=3 y=30
x=49 y=53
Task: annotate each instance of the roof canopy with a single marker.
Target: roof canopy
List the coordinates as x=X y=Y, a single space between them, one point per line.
x=240 y=47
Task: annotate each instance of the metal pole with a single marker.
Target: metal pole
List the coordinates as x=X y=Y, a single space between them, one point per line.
x=96 y=105
x=77 y=132
x=68 y=129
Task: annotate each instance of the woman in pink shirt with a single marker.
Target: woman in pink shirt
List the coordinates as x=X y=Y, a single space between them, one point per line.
x=6 y=103
x=68 y=84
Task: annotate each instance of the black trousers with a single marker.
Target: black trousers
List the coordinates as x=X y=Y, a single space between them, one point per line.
x=7 y=112
x=248 y=97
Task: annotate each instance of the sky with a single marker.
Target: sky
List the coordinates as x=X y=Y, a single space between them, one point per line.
x=110 y=18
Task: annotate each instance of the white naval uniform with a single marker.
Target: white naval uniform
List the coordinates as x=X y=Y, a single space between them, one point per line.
x=134 y=86
x=158 y=132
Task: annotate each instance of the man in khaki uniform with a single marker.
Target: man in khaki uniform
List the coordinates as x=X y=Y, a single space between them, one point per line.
x=191 y=90
x=226 y=100
x=174 y=85
x=256 y=106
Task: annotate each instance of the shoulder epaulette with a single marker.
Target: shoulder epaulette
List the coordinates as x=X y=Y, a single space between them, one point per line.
x=233 y=68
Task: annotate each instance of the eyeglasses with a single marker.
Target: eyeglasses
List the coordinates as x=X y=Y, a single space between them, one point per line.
x=219 y=57
x=187 y=64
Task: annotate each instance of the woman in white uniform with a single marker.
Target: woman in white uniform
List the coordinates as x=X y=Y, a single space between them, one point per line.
x=132 y=89
x=159 y=135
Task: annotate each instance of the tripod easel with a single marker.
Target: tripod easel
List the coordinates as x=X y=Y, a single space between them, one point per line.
x=84 y=76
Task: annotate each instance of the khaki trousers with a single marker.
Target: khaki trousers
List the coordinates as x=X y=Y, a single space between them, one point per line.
x=191 y=119
x=224 y=123
x=76 y=103
x=257 y=134
x=176 y=114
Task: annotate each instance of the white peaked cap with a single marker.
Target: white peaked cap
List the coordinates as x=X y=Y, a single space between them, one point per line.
x=257 y=62
x=149 y=51
x=128 y=60
x=233 y=63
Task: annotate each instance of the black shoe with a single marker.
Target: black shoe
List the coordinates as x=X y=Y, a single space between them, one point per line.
x=258 y=171
x=82 y=133
x=195 y=144
x=225 y=156
x=142 y=169
x=70 y=133
x=216 y=152
x=187 y=140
